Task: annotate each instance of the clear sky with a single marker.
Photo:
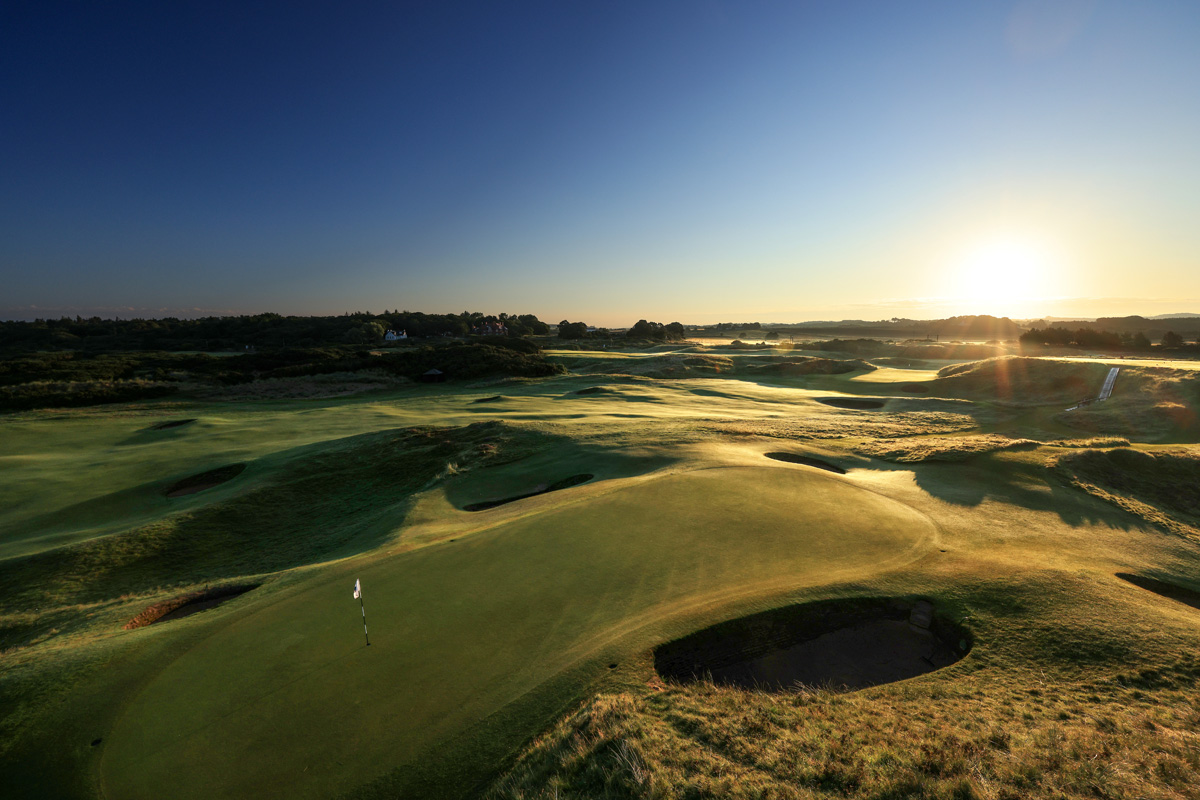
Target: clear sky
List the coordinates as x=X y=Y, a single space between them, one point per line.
x=604 y=161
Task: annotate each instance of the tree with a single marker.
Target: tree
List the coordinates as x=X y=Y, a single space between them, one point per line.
x=572 y=330
x=1172 y=339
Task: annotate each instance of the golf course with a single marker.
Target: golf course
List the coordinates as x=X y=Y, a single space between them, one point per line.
x=679 y=570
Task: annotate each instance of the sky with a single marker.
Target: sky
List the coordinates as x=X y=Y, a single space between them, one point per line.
x=601 y=161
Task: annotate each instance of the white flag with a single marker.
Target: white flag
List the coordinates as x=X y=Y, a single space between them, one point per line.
x=357 y=590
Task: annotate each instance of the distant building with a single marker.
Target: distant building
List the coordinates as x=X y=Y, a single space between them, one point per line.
x=392 y=336
x=433 y=376
x=490 y=329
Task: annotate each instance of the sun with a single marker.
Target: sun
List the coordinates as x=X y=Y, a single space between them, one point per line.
x=1006 y=276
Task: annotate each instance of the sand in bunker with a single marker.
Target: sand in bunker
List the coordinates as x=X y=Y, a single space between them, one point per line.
x=867 y=654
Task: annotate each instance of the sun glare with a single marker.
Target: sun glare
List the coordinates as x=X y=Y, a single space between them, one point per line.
x=1005 y=277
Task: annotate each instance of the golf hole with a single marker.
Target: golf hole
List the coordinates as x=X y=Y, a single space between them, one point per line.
x=204 y=480
x=841 y=645
x=808 y=461
x=565 y=483
x=856 y=403
x=1179 y=594
x=187 y=604
x=175 y=423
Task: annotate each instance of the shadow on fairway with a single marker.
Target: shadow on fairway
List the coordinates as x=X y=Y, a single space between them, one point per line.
x=970 y=484
x=565 y=483
x=854 y=403
x=175 y=423
x=160 y=432
x=204 y=480
x=1180 y=594
x=841 y=645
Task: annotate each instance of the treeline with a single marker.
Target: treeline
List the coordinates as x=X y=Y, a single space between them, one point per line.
x=1101 y=339
x=216 y=334
x=642 y=329
x=46 y=380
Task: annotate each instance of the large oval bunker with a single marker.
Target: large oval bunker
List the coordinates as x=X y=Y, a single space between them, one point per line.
x=838 y=644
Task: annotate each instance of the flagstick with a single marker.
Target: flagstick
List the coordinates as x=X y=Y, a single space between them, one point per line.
x=364 y=610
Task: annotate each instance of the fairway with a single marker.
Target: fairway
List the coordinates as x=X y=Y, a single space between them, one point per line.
x=461 y=629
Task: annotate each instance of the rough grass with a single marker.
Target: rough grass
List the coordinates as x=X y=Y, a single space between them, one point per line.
x=708 y=742
x=1046 y=706
x=1161 y=488
x=957 y=448
x=846 y=424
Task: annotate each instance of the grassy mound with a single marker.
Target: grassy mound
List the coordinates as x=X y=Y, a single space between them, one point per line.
x=1158 y=487
x=523 y=613
x=339 y=499
x=1022 y=381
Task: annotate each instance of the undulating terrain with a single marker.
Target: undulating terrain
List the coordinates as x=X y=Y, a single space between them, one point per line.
x=610 y=580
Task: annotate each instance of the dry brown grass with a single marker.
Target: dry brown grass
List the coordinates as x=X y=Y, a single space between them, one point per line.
x=1133 y=736
x=956 y=448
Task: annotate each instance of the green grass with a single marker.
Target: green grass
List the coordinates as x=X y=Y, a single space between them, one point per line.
x=493 y=632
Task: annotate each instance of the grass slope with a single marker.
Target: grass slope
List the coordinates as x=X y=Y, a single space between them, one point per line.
x=489 y=626
x=459 y=628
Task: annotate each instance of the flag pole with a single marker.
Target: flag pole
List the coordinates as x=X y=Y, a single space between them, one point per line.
x=358 y=595
x=364 y=610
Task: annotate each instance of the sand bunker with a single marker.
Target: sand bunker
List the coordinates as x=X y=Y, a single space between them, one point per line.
x=808 y=461
x=491 y=399
x=204 y=480
x=175 y=423
x=188 y=604
x=565 y=483
x=841 y=645
x=1189 y=597
x=856 y=403
x=594 y=390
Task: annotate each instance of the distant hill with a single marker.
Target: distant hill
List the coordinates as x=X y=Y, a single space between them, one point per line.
x=979 y=327
x=1153 y=327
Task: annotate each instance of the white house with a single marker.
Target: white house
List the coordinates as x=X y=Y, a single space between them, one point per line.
x=392 y=336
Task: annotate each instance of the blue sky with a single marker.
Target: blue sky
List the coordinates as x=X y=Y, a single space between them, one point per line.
x=601 y=161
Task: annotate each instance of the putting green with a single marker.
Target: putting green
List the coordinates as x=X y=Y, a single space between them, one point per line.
x=888 y=375
x=286 y=701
